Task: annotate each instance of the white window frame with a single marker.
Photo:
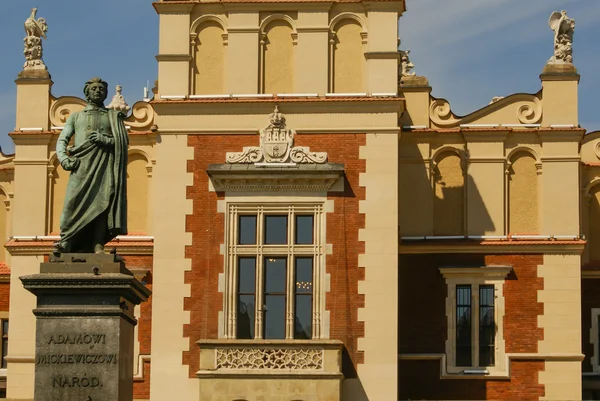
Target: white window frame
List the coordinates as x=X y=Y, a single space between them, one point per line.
x=475 y=277
x=290 y=250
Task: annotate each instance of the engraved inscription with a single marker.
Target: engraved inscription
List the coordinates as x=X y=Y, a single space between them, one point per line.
x=75 y=381
x=78 y=339
x=84 y=359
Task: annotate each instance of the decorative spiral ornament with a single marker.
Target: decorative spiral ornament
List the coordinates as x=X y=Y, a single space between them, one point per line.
x=62 y=108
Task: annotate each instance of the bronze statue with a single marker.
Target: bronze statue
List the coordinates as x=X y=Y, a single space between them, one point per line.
x=95 y=208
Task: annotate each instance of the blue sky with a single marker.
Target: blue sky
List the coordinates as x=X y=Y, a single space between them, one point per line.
x=470 y=50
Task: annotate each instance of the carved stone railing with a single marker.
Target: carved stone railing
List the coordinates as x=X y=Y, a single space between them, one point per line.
x=270 y=357
x=270 y=370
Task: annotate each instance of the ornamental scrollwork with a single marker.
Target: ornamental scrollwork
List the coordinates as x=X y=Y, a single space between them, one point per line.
x=529 y=110
x=62 y=108
x=276 y=146
x=142 y=116
x=269 y=359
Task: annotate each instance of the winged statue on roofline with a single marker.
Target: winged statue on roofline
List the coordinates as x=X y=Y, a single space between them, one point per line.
x=563 y=28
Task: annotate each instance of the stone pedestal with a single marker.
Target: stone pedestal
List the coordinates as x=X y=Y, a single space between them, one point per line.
x=84 y=328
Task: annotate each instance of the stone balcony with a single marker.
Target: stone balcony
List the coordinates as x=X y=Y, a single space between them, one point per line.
x=268 y=370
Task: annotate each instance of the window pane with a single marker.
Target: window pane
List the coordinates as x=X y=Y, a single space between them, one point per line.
x=487 y=326
x=275 y=229
x=275 y=275
x=275 y=294
x=247 y=275
x=274 y=317
x=304 y=275
x=303 y=317
x=463 y=325
x=246 y=297
x=247 y=230
x=245 y=317
x=304 y=229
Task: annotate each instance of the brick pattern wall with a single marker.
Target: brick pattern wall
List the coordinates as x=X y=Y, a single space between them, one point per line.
x=207 y=228
x=590 y=298
x=141 y=388
x=423 y=327
x=4 y=296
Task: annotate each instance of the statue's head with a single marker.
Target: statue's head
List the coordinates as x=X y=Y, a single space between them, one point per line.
x=95 y=91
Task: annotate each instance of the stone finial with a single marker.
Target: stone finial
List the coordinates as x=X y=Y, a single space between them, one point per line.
x=35 y=30
x=563 y=28
x=118 y=102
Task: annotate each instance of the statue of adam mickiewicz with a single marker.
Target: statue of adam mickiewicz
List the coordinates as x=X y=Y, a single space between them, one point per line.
x=95 y=209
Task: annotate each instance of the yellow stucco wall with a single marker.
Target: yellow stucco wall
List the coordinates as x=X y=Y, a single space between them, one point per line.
x=137 y=194
x=523 y=195
x=209 y=60
x=279 y=58
x=348 y=58
x=448 y=204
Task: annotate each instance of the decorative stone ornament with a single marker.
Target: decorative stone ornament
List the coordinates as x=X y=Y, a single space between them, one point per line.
x=276 y=147
x=35 y=30
x=563 y=28
x=118 y=102
x=406 y=65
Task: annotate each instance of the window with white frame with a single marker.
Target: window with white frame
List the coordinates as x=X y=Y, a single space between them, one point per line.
x=475 y=311
x=273 y=271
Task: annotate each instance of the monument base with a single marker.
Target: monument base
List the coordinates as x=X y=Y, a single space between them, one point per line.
x=84 y=328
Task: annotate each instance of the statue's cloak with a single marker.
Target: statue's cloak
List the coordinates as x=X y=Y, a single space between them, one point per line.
x=98 y=187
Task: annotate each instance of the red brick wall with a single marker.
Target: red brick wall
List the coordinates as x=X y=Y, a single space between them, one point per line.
x=207 y=228
x=423 y=327
x=4 y=296
x=590 y=298
x=141 y=388
x=420 y=380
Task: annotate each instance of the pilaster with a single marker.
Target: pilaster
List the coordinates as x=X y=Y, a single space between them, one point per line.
x=242 y=68
x=174 y=49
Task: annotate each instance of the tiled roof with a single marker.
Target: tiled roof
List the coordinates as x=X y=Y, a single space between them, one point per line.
x=4 y=269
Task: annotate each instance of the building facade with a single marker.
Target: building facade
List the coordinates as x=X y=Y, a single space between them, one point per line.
x=314 y=225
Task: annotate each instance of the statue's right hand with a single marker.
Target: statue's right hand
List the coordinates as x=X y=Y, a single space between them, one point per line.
x=70 y=163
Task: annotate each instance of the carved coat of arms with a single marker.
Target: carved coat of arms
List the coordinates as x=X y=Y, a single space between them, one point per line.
x=276 y=146
x=276 y=140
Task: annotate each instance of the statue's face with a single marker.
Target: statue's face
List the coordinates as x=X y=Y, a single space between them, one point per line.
x=97 y=93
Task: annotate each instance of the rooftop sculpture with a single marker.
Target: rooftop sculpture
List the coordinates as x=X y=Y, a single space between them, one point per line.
x=563 y=28
x=35 y=30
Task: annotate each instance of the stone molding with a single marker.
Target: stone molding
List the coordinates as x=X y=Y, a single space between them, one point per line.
x=252 y=178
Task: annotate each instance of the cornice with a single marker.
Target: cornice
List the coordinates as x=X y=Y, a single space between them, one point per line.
x=381 y=55
x=492 y=247
x=248 y=178
x=45 y=247
x=174 y=7
x=173 y=57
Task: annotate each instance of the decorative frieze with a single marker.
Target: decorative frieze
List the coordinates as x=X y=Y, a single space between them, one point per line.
x=269 y=359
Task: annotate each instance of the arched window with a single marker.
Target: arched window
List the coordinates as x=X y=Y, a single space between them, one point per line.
x=348 y=58
x=209 y=59
x=449 y=189
x=278 y=56
x=137 y=194
x=523 y=194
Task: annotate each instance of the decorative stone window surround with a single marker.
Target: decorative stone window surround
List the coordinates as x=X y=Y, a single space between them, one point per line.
x=476 y=276
x=234 y=206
